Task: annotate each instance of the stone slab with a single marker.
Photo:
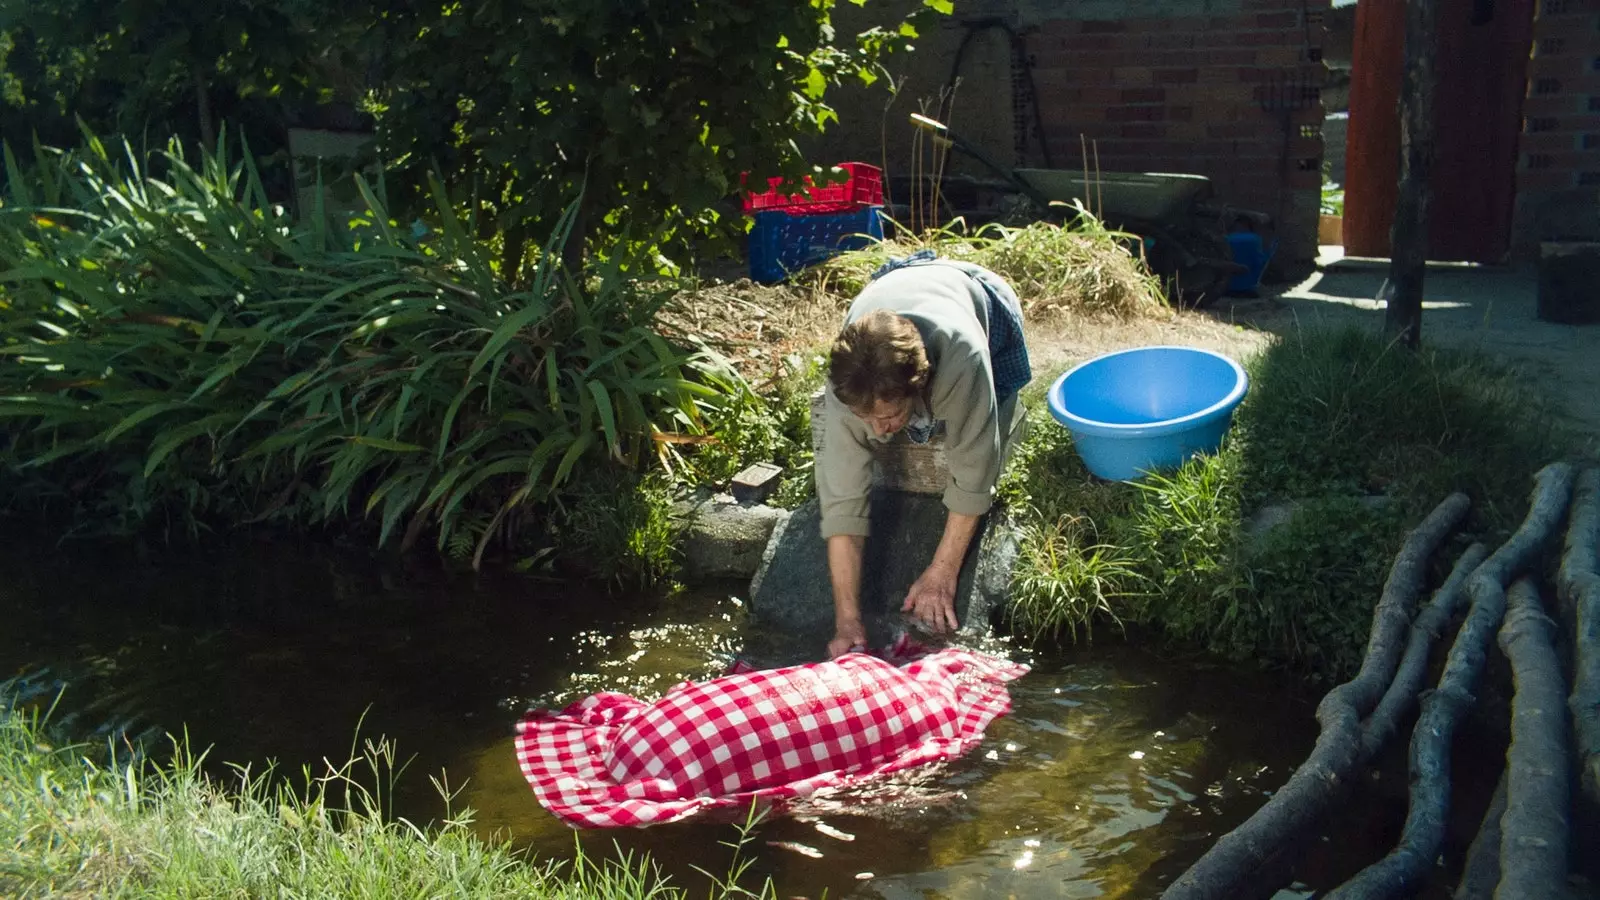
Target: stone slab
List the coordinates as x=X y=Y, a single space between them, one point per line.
x=793 y=595
x=1569 y=273
x=726 y=539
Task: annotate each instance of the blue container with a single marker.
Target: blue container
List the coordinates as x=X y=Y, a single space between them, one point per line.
x=782 y=243
x=1248 y=251
x=1149 y=408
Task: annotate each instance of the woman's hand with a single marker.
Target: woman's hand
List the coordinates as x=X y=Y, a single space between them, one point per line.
x=847 y=635
x=932 y=600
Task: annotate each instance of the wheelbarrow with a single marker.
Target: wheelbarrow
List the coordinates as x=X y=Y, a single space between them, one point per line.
x=1173 y=214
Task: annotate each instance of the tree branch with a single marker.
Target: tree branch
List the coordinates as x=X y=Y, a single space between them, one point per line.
x=1240 y=856
x=1534 y=831
x=1429 y=626
x=1579 y=584
x=1481 y=872
x=1404 y=869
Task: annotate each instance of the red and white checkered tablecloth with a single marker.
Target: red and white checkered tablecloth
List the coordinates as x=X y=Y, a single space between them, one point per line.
x=770 y=736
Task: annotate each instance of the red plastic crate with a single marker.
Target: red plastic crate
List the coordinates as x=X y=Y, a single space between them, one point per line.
x=863 y=188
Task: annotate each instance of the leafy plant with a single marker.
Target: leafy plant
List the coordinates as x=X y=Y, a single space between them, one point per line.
x=618 y=527
x=658 y=108
x=178 y=351
x=139 y=67
x=1067 y=577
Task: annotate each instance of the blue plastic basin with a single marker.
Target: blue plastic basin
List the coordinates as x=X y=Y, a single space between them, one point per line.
x=1146 y=409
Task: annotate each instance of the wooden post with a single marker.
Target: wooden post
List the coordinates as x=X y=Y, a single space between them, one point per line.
x=1409 y=243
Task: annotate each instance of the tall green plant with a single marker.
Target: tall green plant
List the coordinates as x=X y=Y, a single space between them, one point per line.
x=179 y=350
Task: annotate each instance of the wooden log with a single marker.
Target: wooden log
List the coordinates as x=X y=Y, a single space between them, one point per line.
x=1534 y=832
x=1241 y=856
x=1481 y=872
x=1409 y=239
x=1429 y=626
x=1404 y=869
x=1579 y=584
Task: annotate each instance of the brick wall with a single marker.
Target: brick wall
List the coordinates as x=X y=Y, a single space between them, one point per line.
x=1558 y=165
x=1222 y=88
x=1235 y=97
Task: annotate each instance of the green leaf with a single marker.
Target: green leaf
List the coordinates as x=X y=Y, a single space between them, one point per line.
x=142 y=415
x=169 y=442
x=946 y=7
x=816 y=84
x=608 y=420
x=385 y=444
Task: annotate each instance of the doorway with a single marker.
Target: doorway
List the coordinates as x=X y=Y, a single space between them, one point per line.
x=1481 y=77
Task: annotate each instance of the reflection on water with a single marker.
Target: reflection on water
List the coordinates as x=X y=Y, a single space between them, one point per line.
x=1112 y=774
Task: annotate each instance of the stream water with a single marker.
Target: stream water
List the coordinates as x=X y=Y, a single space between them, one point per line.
x=1114 y=772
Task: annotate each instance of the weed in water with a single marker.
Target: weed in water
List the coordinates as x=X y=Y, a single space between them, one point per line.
x=618 y=526
x=1066 y=577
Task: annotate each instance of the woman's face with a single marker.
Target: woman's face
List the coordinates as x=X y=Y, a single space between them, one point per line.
x=887 y=416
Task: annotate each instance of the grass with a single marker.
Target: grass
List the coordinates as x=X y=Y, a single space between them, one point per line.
x=1080 y=270
x=1358 y=438
x=72 y=826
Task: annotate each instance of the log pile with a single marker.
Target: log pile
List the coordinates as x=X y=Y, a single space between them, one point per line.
x=1522 y=847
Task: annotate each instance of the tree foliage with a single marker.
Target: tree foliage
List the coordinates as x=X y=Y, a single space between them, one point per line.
x=655 y=107
x=159 y=66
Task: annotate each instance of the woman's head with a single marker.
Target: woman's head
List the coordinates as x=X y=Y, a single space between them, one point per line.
x=878 y=367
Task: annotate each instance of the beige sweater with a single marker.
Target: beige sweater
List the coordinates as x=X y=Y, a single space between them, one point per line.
x=951 y=311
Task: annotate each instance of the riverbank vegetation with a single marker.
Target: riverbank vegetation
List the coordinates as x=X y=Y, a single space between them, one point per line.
x=77 y=822
x=1274 y=549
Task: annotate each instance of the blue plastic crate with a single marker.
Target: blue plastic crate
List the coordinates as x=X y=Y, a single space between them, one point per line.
x=782 y=243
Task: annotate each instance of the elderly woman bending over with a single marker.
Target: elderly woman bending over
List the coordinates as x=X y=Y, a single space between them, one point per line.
x=930 y=344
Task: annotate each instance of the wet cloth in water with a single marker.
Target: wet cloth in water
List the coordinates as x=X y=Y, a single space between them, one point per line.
x=771 y=735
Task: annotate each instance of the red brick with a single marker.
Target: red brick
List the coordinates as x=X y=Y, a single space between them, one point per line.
x=1255 y=74
x=1108 y=27
x=1567 y=161
x=1531 y=181
x=1550 y=142
x=1175 y=41
x=1101 y=96
x=1133 y=75
x=1180 y=113
x=1279 y=56
x=1136 y=114
x=1565 y=66
x=1230 y=130
x=1143 y=95
x=1270 y=38
x=1078 y=43
x=1177 y=76
x=1237 y=56
x=1144 y=131
x=1189 y=132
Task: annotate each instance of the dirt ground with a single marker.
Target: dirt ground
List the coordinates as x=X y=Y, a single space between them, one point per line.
x=758 y=326
x=1485 y=309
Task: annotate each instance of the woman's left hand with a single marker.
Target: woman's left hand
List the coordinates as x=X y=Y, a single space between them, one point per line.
x=932 y=600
